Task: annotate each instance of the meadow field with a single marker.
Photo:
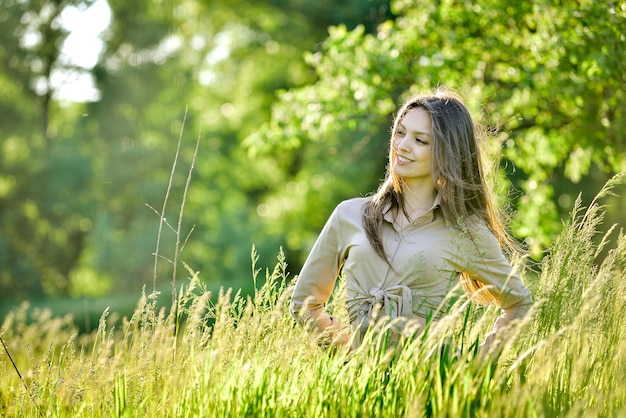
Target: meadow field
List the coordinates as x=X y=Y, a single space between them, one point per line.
x=227 y=355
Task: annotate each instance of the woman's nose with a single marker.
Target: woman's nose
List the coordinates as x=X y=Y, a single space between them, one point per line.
x=401 y=143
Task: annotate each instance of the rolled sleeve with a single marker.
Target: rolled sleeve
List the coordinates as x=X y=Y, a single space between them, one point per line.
x=317 y=278
x=490 y=268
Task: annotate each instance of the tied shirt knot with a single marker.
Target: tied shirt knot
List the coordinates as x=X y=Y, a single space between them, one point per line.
x=393 y=301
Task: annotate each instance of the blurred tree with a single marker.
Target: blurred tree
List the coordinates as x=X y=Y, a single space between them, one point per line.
x=262 y=51
x=223 y=61
x=550 y=77
x=75 y=178
x=43 y=175
x=33 y=36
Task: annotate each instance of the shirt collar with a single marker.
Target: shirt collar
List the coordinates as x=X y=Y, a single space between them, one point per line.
x=388 y=215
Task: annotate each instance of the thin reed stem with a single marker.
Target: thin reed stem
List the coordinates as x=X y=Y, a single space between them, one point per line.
x=180 y=220
x=167 y=194
x=30 y=394
x=13 y=363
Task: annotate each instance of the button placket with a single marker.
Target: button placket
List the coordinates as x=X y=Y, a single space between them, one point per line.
x=391 y=256
x=398 y=243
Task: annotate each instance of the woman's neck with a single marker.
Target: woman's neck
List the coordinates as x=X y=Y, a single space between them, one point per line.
x=417 y=198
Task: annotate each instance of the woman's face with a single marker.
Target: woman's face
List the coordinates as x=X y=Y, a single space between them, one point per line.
x=412 y=145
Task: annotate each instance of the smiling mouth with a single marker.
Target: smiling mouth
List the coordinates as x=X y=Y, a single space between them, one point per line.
x=403 y=160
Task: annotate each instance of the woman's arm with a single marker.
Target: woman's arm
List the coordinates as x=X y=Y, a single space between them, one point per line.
x=489 y=267
x=316 y=281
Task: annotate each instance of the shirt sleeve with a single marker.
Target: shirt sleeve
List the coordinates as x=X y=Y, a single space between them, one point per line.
x=488 y=265
x=317 y=278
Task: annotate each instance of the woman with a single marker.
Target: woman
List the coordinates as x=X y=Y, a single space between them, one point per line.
x=430 y=225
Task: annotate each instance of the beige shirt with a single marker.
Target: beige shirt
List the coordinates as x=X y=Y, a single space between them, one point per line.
x=427 y=256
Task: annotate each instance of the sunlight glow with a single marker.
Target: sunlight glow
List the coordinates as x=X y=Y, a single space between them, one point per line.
x=81 y=49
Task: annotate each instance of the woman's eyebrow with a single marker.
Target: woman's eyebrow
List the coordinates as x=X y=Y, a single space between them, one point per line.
x=414 y=132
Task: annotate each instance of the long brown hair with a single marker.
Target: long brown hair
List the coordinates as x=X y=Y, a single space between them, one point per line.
x=458 y=174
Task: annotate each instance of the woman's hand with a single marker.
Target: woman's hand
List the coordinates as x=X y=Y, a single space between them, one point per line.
x=329 y=331
x=491 y=349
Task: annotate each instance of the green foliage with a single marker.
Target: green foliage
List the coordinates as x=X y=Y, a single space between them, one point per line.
x=42 y=220
x=550 y=76
x=45 y=229
x=236 y=356
x=98 y=164
x=292 y=101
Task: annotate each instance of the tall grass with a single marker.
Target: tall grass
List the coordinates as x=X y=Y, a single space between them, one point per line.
x=226 y=355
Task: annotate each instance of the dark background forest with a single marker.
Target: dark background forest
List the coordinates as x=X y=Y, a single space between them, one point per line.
x=291 y=103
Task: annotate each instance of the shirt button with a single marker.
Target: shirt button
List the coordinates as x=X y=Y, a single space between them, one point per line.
x=361 y=313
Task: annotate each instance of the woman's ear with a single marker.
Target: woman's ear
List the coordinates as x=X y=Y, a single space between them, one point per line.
x=440 y=182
